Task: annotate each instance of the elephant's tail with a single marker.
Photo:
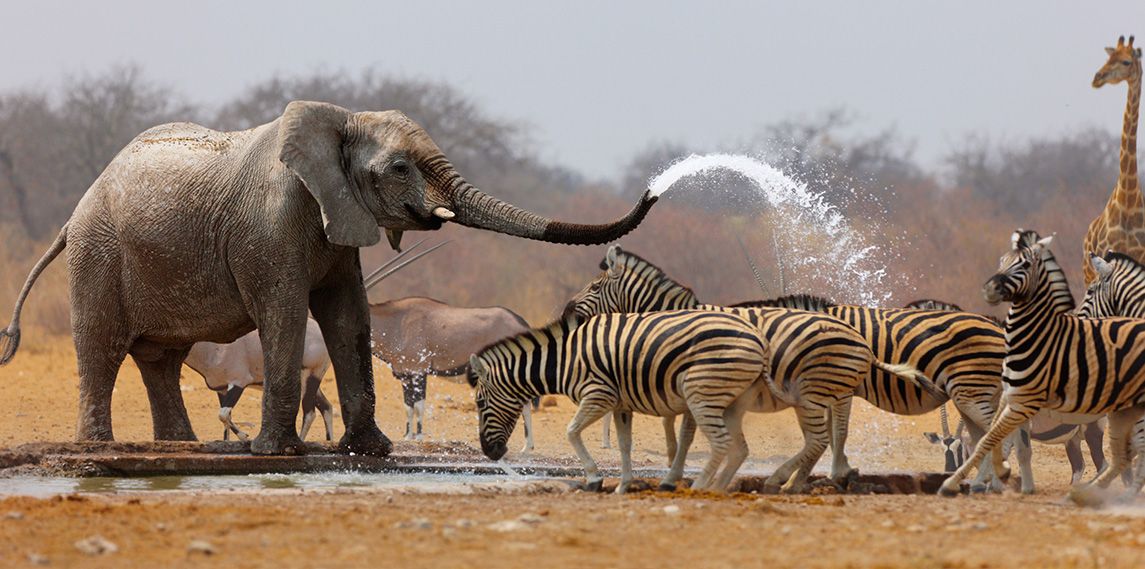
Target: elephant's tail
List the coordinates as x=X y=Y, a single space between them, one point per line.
x=10 y=336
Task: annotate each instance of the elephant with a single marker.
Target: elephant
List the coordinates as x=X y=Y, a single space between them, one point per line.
x=192 y=234
x=417 y=336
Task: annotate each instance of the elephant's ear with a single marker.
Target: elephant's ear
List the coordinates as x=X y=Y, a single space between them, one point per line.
x=311 y=137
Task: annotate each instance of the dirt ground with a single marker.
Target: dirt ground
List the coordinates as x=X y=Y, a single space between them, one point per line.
x=545 y=525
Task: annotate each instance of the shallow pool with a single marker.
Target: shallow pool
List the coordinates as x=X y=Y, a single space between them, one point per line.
x=51 y=485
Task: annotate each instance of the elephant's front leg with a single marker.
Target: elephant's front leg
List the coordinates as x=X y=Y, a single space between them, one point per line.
x=282 y=331
x=343 y=315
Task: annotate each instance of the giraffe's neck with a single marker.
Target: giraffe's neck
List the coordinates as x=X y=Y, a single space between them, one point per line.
x=1127 y=184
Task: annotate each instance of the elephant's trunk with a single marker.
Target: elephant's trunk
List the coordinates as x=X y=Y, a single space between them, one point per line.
x=474 y=208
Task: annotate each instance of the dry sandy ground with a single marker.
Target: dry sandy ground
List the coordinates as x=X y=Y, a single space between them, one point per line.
x=500 y=526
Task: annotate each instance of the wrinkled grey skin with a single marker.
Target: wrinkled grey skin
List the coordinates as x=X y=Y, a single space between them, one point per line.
x=417 y=336
x=230 y=368
x=196 y=235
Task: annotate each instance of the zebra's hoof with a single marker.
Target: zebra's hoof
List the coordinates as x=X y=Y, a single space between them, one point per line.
x=594 y=486
x=978 y=488
x=947 y=492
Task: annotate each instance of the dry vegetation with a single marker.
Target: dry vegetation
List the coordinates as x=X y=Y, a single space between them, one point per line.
x=945 y=231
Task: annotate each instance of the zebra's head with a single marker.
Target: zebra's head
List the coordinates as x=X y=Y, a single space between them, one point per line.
x=1118 y=288
x=1018 y=269
x=629 y=284
x=497 y=411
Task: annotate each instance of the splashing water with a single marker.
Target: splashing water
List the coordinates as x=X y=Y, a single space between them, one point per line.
x=818 y=244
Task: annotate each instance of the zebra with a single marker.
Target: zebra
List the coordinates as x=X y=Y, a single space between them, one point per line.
x=1059 y=361
x=1047 y=427
x=962 y=352
x=817 y=361
x=1117 y=290
x=661 y=364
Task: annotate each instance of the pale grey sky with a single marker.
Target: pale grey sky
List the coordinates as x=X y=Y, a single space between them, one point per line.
x=599 y=81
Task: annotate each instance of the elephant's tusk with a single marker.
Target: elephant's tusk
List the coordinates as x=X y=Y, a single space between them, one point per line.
x=443 y=212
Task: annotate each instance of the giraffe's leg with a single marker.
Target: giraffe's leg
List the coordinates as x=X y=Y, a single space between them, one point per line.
x=1010 y=418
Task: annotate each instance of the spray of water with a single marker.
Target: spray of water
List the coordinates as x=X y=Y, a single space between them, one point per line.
x=820 y=246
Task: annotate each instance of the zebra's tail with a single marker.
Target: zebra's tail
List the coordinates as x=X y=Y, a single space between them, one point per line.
x=10 y=336
x=780 y=391
x=911 y=374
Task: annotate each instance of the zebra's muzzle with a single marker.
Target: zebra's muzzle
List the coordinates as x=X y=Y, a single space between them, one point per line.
x=995 y=290
x=494 y=450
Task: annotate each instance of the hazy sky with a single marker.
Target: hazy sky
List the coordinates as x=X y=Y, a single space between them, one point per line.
x=599 y=81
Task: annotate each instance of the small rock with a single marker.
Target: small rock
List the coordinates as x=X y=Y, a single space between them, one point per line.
x=916 y=528
x=980 y=526
x=202 y=546
x=422 y=523
x=464 y=523
x=96 y=545
x=37 y=559
x=509 y=525
x=14 y=515
x=672 y=509
x=448 y=532
x=530 y=518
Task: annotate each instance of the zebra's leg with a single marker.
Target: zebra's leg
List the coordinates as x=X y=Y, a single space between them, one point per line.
x=670 y=442
x=607 y=424
x=1009 y=418
x=591 y=410
x=1024 y=450
x=527 y=423
x=716 y=431
x=624 y=443
x=791 y=476
x=840 y=417
x=1121 y=425
x=733 y=418
x=978 y=419
x=676 y=471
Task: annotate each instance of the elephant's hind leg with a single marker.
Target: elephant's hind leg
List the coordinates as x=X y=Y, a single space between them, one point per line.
x=160 y=371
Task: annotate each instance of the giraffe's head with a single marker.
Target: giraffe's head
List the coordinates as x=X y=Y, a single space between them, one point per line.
x=1124 y=63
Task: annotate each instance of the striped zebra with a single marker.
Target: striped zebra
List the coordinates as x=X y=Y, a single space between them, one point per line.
x=662 y=364
x=960 y=351
x=1056 y=360
x=817 y=361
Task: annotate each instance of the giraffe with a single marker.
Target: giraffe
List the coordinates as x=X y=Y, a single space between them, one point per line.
x=1121 y=226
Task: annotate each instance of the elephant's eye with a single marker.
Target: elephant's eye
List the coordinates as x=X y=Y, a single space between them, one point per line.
x=400 y=168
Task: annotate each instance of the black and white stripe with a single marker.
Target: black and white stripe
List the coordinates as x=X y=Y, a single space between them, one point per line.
x=817 y=361
x=662 y=364
x=960 y=351
x=1056 y=360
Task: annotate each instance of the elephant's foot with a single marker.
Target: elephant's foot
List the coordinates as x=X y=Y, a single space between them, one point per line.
x=282 y=444
x=94 y=431
x=369 y=441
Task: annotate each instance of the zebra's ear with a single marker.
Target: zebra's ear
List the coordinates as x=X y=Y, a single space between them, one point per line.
x=1102 y=268
x=477 y=370
x=574 y=319
x=1045 y=241
x=612 y=259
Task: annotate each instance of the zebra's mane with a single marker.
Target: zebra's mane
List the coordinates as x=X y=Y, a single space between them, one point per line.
x=1125 y=266
x=807 y=302
x=556 y=329
x=1062 y=298
x=655 y=275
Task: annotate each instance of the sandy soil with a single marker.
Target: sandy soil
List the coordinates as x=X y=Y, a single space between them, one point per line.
x=550 y=526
